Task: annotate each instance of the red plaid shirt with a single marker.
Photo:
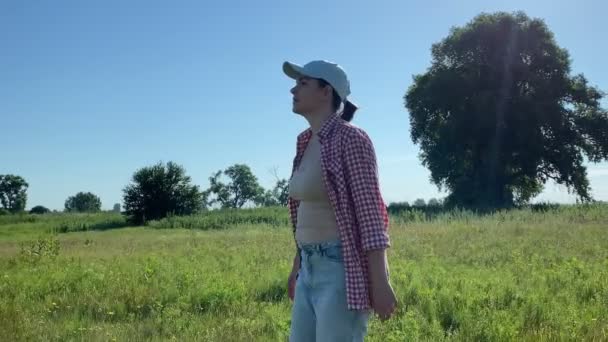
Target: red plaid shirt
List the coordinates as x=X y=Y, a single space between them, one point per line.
x=351 y=179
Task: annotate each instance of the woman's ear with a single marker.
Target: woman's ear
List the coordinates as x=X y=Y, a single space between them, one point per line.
x=328 y=91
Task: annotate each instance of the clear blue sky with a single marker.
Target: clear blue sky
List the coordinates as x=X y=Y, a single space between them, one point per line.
x=90 y=91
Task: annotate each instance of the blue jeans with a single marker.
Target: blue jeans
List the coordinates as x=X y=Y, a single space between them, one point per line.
x=319 y=311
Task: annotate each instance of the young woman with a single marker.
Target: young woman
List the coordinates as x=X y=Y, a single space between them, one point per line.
x=340 y=270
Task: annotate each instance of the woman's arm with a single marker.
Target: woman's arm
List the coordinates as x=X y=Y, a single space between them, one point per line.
x=296 y=262
x=372 y=219
x=291 y=281
x=383 y=297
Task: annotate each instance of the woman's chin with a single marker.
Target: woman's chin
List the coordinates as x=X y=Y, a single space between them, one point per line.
x=296 y=110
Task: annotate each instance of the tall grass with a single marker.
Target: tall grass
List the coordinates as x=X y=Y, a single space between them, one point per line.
x=542 y=213
x=226 y=218
x=279 y=216
x=523 y=275
x=27 y=226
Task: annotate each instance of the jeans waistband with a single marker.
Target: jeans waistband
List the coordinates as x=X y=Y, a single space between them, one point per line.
x=319 y=247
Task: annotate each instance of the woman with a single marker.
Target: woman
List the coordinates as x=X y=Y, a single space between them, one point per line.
x=340 y=270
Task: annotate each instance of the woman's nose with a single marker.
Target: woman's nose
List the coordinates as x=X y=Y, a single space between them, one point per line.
x=293 y=90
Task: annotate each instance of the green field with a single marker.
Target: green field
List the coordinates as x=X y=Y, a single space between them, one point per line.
x=518 y=275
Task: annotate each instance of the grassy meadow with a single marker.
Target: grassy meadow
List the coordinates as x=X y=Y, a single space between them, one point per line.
x=520 y=275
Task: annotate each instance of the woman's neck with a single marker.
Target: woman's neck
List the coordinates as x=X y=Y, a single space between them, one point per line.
x=316 y=120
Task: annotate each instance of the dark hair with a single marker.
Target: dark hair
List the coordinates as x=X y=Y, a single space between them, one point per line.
x=348 y=112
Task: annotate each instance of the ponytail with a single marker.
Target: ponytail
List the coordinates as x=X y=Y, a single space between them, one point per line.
x=348 y=111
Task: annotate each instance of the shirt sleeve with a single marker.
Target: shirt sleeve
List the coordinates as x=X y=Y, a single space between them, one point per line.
x=361 y=172
x=291 y=202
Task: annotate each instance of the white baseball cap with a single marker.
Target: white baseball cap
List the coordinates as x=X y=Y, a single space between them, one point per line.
x=332 y=73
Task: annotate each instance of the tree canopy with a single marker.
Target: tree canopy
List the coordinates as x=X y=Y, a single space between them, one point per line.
x=83 y=202
x=498 y=114
x=39 y=209
x=13 y=193
x=159 y=190
x=241 y=188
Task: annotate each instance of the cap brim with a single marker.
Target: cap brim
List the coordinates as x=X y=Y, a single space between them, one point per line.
x=293 y=70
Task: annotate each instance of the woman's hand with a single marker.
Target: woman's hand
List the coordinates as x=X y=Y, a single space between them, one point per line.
x=384 y=301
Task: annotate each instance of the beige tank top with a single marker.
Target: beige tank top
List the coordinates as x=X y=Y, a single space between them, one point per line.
x=316 y=220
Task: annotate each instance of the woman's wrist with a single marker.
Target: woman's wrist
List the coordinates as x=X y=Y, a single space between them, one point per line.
x=377 y=267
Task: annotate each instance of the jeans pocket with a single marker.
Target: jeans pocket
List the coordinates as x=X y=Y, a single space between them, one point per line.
x=334 y=254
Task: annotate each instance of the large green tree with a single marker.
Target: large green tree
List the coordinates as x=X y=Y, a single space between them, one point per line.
x=498 y=114
x=278 y=196
x=13 y=193
x=281 y=191
x=242 y=187
x=83 y=202
x=159 y=190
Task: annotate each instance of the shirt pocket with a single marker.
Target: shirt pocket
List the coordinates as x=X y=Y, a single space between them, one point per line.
x=333 y=173
x=333 y=188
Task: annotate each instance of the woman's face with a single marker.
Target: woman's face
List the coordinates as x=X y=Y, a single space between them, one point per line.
x=308 y=96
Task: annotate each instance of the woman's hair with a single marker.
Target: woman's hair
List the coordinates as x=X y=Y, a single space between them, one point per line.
x=348 y=112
